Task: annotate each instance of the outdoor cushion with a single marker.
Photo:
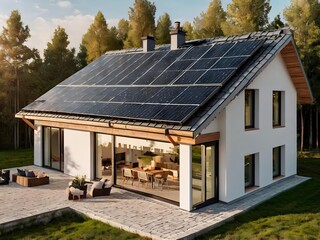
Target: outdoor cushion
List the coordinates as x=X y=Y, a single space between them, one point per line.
x=30 y=174
x=97 y=185
x=21 y=172
x=108 y=184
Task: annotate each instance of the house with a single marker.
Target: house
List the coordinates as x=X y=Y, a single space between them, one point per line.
x=218 y=115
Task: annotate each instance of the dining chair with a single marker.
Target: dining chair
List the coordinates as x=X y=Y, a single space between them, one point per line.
x=127 y=175
x=161 y=178
x=143 y=178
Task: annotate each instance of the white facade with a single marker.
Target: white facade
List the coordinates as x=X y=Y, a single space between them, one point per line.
x=237 y=142
x=78 y=153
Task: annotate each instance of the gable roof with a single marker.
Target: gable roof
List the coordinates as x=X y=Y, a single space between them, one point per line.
x=181 y=90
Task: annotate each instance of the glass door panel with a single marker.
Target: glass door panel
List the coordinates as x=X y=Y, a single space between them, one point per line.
x=55 y=148
x=104 y=153
x=210 y=172
x=204 y=173
x=46 y=147
x=197 y=180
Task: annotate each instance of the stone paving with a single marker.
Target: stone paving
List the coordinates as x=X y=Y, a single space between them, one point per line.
x=129 y=211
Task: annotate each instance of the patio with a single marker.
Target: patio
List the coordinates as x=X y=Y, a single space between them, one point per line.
x=128 y=210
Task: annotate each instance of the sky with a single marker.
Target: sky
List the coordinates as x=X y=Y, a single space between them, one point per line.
x=43 y=16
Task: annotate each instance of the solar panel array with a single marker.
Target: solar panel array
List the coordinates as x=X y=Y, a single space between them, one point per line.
x=166 y=86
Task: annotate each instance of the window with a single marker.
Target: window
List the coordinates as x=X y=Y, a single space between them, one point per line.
x=53 y=148
x=249 y=110
x=276 y=108
x=249 y=171
x=276 y=161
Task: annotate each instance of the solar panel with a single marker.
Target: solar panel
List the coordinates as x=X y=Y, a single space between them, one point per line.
x=189 y=77
x=196 y=52
x=166 y=77
x=166 y=95
x=198 y=93
x=216 y=76
x=161 y=86
x=218 y=50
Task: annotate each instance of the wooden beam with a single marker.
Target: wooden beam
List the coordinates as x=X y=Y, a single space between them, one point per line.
x=181 y=133
x=28 y=123
x=119 y=132
x=209 y=137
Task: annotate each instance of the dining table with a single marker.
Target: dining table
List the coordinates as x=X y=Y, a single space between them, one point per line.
x=150 y=173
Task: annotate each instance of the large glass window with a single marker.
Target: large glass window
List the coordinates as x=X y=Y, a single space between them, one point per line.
x=147 y=166
x=53 y=148
x=249 y=170
x=276 y=108
x=249 y=111
x=276 y=161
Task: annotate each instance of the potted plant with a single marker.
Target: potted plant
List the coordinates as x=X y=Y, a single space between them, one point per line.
x=80 y=183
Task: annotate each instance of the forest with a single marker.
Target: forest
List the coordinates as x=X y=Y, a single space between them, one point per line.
x=25 y=75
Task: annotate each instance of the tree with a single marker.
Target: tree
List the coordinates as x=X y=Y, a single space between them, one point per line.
x=123 y=29
x=14 y=55
x=304 y=17
x=81 y=58
x=244 y=16
x=187 y=27
x=141 y=22
x=212 y=20
x=96 y=38
x=163 y=29
x=59 y=61
x=276 y=23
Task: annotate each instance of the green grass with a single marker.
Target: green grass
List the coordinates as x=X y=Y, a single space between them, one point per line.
x=16 y=158
x=71 y=226
x=294 y=214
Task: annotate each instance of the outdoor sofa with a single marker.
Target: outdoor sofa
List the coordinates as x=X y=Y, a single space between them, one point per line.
x=30 y=180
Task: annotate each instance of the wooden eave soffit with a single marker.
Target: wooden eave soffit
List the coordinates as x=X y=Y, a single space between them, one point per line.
x=295 y=69
x=165 y=135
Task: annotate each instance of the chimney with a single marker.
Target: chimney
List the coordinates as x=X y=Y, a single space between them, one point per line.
x=148 y=43
x=178 y=37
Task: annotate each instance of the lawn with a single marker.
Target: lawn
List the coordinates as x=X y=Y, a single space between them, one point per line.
x=16 y=158
x=71 y=226
x=294 y=214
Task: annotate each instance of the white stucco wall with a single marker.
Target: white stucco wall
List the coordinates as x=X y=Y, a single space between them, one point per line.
x=78 y=147
x=38 y=146
x=236 y=142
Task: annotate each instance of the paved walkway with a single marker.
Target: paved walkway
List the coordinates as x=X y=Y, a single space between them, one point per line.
x=127 y=210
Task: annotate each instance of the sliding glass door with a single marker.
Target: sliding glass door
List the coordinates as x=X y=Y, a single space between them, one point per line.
x=204 y=173
x=53 y=148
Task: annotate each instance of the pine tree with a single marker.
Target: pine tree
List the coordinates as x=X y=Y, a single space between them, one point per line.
x=244 y=16
x=187 y=27
x=304 y=17
x=276 y=23
x=141 y=18
x=123 y=29
x=96 y=38
x=59 y=61
x=212 y=20
x=14 y=55
x=163 y=29
x=81 y=58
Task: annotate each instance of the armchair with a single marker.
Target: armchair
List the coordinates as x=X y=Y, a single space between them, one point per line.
x=5 y=177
